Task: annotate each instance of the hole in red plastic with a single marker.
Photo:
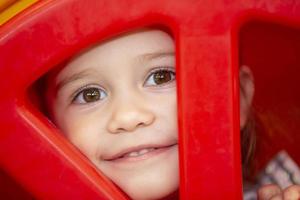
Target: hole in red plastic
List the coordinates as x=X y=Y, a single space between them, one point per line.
x=271 y=50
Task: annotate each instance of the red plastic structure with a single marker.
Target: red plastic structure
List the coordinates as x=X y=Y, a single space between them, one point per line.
x=208 y=35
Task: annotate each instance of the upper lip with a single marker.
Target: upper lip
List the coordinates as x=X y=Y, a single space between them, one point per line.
x=124 y=151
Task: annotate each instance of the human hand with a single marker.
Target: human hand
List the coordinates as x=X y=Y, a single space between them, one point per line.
x=274 y=192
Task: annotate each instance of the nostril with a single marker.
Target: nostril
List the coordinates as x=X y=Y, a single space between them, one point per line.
x=129 y=128
x=119 y=130
x=140 y=124
x=128 y=120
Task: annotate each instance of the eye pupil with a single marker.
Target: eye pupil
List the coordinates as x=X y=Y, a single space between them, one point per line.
x=91 y=94
x=161 y=77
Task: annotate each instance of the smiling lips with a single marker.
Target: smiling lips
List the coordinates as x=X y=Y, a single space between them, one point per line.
x=140 y=152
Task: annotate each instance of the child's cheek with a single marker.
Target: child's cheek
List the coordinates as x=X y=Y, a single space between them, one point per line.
x=83 y=132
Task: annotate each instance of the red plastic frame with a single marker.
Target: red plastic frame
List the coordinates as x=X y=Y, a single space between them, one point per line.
x=32 y=150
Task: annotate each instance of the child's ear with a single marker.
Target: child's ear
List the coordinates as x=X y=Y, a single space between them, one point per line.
x=246 y=93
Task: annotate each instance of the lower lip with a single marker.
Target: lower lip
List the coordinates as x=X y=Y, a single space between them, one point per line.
x=151 y=154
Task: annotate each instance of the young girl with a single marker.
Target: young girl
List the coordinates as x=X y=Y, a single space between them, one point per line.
x=116 y=102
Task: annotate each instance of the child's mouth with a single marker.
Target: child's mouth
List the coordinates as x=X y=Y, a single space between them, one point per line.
x=140 y=152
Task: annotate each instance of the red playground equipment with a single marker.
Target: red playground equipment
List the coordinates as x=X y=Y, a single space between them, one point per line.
x=212 y=39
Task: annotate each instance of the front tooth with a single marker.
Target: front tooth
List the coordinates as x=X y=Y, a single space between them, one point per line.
x=143 y=151
x=133 y=154
x=138 y=153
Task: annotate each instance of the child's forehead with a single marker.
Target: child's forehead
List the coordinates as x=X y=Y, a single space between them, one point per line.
x=139 y=45
x=135 y=42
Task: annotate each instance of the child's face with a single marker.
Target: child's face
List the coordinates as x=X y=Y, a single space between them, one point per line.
x=117 y=103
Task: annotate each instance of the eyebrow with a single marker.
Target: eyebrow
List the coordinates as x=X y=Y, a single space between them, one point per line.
x=73 y=77
x=156 y=55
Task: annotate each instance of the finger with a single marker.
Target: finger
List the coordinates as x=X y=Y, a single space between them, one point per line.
x=268 y=191
x=292 y=193
x=277 y=197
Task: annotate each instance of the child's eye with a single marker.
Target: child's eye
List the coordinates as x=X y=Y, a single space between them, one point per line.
x=160 y=77
x=89 y=95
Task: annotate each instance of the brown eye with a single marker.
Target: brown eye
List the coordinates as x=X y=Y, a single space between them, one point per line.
x=89 y=95
x=160 y=77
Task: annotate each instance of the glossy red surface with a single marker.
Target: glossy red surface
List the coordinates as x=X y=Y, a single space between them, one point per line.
x=207 y=39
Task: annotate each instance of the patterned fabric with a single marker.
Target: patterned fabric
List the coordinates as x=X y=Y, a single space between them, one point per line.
x=281 y=170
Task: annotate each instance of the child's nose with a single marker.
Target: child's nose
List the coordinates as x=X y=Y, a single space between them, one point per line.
x=128 y=116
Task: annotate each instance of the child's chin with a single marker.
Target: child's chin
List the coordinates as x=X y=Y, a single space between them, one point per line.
x=155 y=191
x=153 y=185
x=153 y=178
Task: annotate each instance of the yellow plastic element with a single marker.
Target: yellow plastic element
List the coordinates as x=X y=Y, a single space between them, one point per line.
x=5 y=4
x=10 y=8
